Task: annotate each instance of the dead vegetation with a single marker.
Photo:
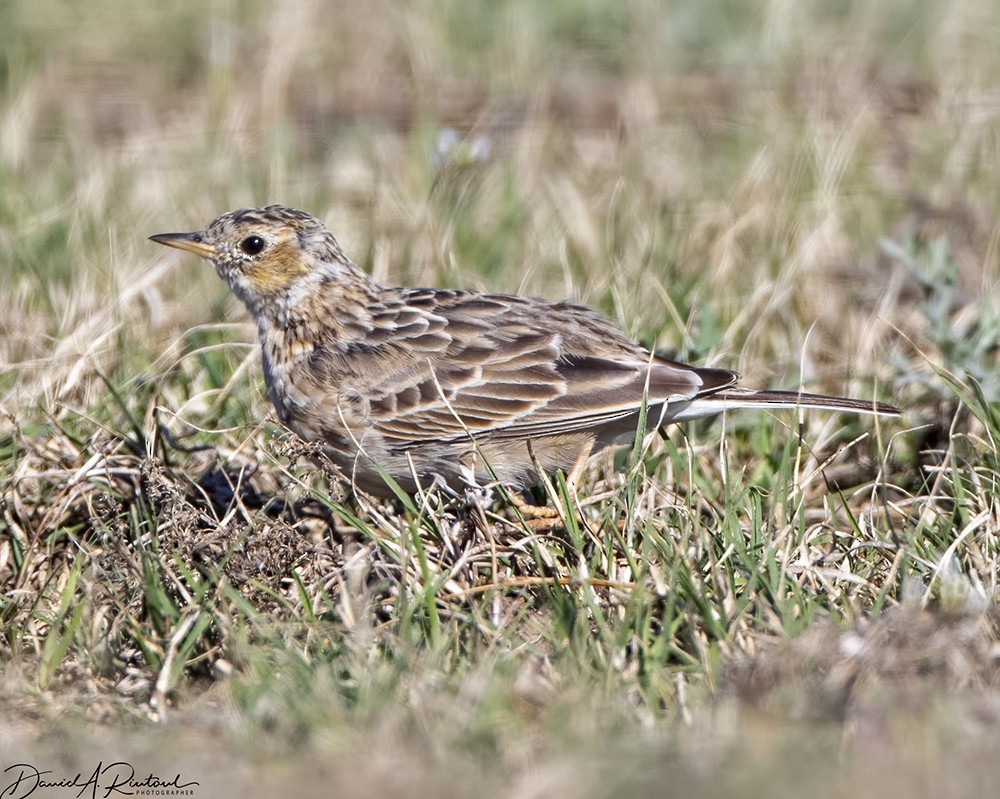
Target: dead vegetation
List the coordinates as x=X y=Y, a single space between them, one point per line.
x=819 y=211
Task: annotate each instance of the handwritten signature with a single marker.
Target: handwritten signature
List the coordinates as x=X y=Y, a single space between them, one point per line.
x=116 y=778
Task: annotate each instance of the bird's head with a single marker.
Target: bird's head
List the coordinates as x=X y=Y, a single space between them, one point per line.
x=266 y=253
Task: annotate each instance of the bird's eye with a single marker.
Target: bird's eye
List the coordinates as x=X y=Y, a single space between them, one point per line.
x=252 y=245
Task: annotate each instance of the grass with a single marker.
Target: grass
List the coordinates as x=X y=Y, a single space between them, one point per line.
x=802 y=192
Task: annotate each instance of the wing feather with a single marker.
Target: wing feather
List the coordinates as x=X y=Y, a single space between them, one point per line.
x=508 y=367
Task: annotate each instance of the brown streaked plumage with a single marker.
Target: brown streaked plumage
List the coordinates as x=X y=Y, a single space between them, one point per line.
x=438 y=384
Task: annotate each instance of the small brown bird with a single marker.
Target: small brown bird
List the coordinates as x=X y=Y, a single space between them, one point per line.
x=438 y=385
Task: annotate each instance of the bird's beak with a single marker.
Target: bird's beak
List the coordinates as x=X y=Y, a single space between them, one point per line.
x=191 y=242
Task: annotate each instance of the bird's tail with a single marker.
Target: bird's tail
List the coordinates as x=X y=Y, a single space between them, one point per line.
x=739 y=398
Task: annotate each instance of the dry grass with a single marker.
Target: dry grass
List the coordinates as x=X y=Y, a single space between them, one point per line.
x=803 y=193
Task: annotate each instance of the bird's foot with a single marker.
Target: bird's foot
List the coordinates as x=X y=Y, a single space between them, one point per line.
x=529 y=511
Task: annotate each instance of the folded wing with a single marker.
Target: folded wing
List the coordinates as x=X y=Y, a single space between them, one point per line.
x=486 y=368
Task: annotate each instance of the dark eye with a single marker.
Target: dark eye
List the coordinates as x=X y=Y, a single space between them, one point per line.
x=252 y=245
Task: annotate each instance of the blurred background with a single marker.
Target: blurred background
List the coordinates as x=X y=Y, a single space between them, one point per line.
x=803 y=190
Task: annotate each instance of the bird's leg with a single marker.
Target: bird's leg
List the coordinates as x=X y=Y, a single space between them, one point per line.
x=573 y=475
x=555 y=510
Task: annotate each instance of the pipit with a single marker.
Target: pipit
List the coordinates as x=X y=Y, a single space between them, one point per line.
x=457 y=388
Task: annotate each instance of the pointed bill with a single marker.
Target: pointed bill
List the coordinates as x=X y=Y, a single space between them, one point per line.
x=190 y=242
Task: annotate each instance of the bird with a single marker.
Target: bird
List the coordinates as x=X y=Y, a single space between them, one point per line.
x=446 y=387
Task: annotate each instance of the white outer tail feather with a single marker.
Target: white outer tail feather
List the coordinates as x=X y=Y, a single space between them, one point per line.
x=740 y=398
